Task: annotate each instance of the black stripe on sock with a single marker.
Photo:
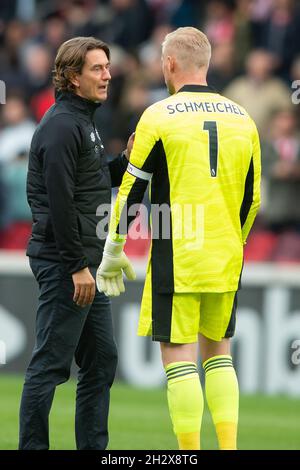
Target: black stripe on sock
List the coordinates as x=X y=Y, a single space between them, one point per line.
x=189 y=370
x=182 y=366
x=223 y=362
x=181 y=375
x=215 y=361
x=218 y=367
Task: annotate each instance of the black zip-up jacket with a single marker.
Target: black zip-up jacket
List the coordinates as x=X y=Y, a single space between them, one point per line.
x=68 y=178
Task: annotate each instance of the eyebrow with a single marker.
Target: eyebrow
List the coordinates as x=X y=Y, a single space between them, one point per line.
x=99 y=65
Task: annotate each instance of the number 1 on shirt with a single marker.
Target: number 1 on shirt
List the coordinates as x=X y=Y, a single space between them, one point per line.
x=211 y=127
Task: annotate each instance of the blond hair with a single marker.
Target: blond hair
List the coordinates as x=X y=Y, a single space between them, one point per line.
x=189 y=45
x=70 y=60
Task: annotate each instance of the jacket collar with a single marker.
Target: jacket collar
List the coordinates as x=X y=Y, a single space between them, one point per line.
x=197 y=88
x=82 y=104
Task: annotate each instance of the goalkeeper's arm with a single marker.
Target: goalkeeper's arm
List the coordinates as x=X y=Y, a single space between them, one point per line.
x=143 y=161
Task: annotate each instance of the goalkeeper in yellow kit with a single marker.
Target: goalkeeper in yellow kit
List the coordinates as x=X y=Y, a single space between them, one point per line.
x=201 y=153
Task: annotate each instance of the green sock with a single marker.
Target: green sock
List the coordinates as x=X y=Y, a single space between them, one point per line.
x=185 y=401
x=222 y=394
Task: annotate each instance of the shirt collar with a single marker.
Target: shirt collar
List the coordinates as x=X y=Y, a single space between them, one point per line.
x=83 y=104
x=197 y=89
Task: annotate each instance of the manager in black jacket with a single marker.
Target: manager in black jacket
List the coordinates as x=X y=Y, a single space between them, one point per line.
x=68 y=179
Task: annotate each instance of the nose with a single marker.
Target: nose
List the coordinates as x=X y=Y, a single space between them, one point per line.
x=106 y=75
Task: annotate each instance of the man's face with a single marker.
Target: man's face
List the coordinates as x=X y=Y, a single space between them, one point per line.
x=92 y=82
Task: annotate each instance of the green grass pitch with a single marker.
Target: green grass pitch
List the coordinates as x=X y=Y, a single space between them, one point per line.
x=139 y=419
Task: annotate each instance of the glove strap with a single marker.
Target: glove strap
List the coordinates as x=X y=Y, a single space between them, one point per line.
x=113 y=247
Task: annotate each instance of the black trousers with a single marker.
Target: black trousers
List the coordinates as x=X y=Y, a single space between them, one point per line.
x=64 y=330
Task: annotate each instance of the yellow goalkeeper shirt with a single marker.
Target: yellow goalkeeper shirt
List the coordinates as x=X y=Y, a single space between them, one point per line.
x=201 y=153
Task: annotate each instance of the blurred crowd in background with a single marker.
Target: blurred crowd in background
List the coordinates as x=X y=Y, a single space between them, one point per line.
x=255 y=61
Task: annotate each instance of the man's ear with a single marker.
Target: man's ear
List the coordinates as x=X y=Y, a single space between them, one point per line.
x=171 y=63
x=74 y=80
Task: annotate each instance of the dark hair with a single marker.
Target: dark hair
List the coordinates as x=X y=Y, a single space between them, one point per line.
x=70 y=59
